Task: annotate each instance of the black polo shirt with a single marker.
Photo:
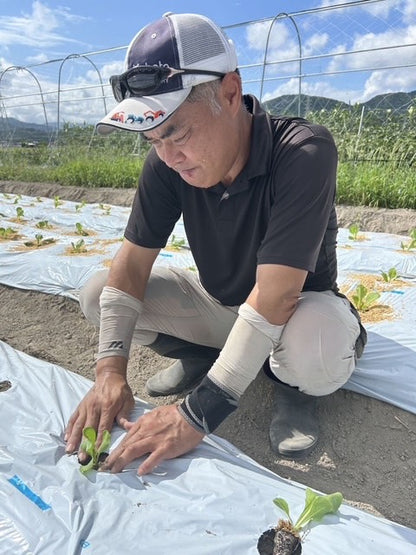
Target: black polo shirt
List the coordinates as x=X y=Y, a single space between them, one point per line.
x=279 y=210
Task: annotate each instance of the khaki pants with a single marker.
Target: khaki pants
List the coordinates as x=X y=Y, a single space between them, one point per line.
x=316 y=351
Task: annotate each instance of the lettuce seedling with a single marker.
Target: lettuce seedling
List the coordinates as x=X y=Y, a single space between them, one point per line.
x=412 y=245
x=289 y=534
x=363 y=298
x=78 y=247
x=390 y=275
x=79 y=229
x=89 y=446
x=354 y=230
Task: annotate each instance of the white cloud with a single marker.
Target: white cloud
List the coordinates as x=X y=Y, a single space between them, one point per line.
x=41 y=28
x=320 y=88
x=381 y=82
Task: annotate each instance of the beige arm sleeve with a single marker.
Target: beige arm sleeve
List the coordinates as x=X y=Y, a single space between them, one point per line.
x=248 y=345
x=118 y=316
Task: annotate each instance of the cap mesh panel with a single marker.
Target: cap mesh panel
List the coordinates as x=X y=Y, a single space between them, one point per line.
x=199 y=40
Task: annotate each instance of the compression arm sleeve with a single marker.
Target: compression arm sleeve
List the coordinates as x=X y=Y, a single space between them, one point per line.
x=118 y=316
x=249 y=343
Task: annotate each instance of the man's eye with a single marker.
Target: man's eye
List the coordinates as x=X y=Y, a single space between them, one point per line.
x=182 y=140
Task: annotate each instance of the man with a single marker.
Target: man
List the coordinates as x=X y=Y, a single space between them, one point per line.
x=256 y=194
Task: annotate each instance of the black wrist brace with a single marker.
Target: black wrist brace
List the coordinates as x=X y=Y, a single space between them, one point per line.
x=207 y=406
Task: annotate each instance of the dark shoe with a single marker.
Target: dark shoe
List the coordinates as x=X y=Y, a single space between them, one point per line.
x=195 y=362
x=294 y=427
x=178 y=377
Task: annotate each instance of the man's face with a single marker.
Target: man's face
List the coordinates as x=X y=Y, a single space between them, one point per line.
x=196 y=143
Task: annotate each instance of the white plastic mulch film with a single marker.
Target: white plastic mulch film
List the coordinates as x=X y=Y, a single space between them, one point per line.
x=216 y=500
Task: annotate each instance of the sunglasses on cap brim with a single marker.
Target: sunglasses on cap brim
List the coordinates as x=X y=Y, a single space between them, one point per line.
x=145 y=80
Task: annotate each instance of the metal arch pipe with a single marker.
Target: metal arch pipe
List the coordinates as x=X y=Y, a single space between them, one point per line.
x=21 y=68
x=276 y=17
x=69 y=57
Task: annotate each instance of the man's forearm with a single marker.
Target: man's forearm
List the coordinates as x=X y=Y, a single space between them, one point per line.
x=118 y=315
x=250 y=342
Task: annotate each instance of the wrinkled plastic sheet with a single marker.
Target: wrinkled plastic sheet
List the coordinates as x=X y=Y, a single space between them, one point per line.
x=387 y=371
x=213 y=500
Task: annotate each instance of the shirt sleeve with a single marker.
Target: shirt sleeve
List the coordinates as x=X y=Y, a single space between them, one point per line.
x=156 y=206
x=304 y=193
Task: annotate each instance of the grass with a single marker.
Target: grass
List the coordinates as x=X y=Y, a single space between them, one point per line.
x=376 y=168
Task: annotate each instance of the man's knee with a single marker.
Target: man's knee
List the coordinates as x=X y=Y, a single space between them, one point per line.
x=317 y=350
x=89 y=297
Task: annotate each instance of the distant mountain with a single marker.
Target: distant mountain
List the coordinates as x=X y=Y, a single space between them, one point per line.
x=288 y=104
x=15 y=131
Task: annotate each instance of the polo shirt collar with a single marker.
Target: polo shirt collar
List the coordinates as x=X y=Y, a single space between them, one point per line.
x=260 y=156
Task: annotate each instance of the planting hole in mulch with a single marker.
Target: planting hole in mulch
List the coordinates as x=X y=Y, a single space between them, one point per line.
x=5 y=385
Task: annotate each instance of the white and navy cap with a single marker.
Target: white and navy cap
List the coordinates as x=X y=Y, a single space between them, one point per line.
x=185 y=41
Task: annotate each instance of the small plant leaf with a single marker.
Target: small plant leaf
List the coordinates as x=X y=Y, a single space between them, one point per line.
x=105 y=444
x=88 y=442
x=282 y=504
x=317 y=506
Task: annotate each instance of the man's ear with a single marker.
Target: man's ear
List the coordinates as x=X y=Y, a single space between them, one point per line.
x=232 y=91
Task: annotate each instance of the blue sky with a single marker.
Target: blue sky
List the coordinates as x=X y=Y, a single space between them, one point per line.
x=35 y=32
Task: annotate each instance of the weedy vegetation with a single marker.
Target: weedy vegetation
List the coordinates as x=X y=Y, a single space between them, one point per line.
x=377 y=156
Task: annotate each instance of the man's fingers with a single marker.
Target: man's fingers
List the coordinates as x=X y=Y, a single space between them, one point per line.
x=151 y=462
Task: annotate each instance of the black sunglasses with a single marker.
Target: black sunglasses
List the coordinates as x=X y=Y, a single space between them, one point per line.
x=145 y=80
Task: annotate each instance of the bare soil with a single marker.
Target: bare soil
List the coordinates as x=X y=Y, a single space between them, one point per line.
x=367 y=448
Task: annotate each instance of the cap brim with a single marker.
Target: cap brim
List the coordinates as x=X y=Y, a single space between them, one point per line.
x=142 y=113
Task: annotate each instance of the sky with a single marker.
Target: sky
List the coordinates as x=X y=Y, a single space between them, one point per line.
x=92 y=37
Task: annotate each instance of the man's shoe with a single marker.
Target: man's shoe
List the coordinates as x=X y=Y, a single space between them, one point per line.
x=178 y=377
x=194 y=363
x=294 y=427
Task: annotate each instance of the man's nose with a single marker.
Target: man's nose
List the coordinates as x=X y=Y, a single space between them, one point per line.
x=172 y=155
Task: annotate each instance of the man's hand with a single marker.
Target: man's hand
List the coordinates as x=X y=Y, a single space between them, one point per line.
x=162 y=432
x=109 y=399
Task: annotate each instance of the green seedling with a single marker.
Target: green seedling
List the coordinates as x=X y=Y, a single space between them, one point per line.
x=57 y=201
x=17 y=199
x=44 y=224
x=286 y=537
x=8 y=233
x=80 y=230
x=97 y=454
x=390 y=275
x=354 y=230
x=79 y=207
x=412 y=244
x=39 y=199
x=20 y=213
x=6 y=196
x=316 y=507
x=39 y=241
x=363 y=298
x=176 y=244
x=79 y=246
x=105 y=209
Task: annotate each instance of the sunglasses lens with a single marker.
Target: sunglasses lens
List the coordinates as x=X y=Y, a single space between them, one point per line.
x=141 y=82
x=118 y=88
